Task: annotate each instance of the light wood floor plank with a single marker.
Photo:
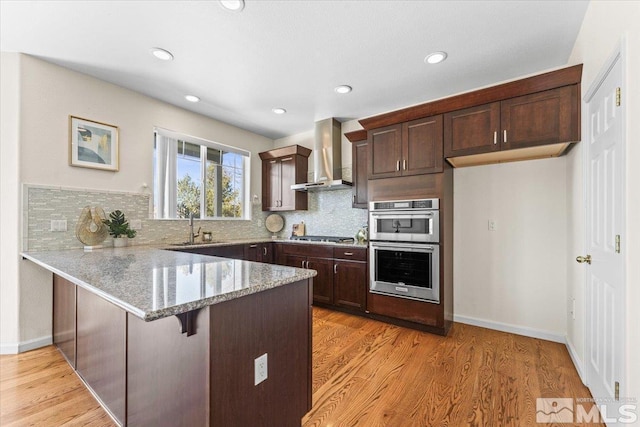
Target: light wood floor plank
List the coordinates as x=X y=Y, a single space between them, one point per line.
x=365 y=373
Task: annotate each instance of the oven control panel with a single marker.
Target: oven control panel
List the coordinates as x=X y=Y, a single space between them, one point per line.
x=405 y=204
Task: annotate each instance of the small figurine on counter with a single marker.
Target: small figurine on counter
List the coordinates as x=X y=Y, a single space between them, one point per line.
x=362 y=235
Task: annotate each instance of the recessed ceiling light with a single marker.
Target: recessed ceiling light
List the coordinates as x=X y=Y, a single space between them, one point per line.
x=435 y=57
x=233 y=5
x=343 y=89
x=159 y=53
x=279 y=110
x=192 y=98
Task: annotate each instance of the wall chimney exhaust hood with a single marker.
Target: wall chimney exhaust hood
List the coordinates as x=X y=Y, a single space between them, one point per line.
x=327 y=158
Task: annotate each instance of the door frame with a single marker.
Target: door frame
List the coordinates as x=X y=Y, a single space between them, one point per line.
x=618 y=55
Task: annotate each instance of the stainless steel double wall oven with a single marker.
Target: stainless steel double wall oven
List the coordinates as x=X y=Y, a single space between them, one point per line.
x=404 y=249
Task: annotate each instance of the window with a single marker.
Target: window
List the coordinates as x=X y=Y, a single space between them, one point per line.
x=199 y=177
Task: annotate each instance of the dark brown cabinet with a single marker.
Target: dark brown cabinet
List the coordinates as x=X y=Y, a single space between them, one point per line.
x=281 y=168
x=411 y=148
x=472 y=130
x=350 y=278
x=360 y=174
x=101 y=350
x=149 y=373
x=342 y=272
x=259 y=252
x=323 y=282
x=542 y=118
x=319 y=258
x=64 y=318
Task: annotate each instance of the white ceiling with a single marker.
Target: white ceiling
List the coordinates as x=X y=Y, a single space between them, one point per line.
x=292 y=54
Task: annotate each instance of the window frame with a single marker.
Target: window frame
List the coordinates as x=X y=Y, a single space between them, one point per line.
x=204 y=144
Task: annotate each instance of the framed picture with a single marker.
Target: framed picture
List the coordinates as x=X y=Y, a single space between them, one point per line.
x=93 y=144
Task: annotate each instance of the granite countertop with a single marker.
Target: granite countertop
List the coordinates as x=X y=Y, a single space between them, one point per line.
x=152 y=283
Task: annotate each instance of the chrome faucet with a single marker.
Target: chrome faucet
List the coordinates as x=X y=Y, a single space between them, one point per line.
x=192 y=236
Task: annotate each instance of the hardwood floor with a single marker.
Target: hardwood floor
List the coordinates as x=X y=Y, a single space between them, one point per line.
x=365 y=373
x=39 y=388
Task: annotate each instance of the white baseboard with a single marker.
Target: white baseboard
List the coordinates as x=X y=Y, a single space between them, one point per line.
x=514 y=329
x=577 y=362
x=21 y=347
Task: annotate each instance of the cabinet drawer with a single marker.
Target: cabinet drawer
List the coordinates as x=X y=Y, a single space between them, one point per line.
x=311 y=250
x=355 y=254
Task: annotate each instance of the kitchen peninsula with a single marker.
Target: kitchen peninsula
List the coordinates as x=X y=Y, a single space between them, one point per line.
x=171 y=338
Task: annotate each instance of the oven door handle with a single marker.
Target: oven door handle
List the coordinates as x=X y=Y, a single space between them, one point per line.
x=403 y=246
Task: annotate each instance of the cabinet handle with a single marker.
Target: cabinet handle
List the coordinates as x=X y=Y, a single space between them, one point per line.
x=504 y=132
x=398 y=165
x=264 y=250
x=253 y=246
x=303 y=264
x=348 y=253
x=404 y=165
x=335 y=268
x=354 y=198
x=495 y=137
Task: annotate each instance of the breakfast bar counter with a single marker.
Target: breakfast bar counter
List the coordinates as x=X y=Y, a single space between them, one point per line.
x=168 y=338
x=152 y=283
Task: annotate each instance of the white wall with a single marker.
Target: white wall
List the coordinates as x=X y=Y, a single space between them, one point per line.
x=47 y=94
x=605 y=23
x=10 y=196
x=512 y=278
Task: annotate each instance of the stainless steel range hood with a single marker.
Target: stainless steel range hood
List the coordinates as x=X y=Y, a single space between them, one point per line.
x=327 y=158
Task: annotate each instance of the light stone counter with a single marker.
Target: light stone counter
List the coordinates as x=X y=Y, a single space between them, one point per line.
x=152 y=283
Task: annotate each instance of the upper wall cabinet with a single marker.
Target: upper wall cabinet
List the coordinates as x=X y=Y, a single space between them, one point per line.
x=540 y=119
x=281 y=168
x=531 y=118
x=360 y=156
x=411 y=148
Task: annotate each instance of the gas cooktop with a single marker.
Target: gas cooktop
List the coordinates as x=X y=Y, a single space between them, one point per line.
x=331 y=239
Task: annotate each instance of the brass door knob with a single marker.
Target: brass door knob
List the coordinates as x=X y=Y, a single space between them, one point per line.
x=582 y=259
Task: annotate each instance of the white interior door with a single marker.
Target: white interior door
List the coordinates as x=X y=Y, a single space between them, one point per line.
x=604 y=177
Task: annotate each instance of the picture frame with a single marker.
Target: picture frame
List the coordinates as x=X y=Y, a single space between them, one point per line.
x=93 y=144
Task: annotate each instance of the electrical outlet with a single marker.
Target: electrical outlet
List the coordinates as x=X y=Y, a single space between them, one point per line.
x=573 y=308
x=136 y=224
x=260 y=365
x=492 y=225
x=58 y=225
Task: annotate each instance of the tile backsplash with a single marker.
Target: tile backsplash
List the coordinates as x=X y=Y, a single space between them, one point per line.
x=329 y=213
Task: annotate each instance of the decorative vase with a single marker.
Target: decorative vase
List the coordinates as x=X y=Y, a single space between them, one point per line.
x=120 y=242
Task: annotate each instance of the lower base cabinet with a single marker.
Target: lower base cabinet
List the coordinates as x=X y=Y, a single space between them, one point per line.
x=348 y=280
x=342 y=272
x=152 y=374
x=64 y=318
x=259 y=252
x=102 y=350
x=167 y=382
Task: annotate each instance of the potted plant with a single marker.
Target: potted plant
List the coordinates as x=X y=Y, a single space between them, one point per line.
x=119 y=228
